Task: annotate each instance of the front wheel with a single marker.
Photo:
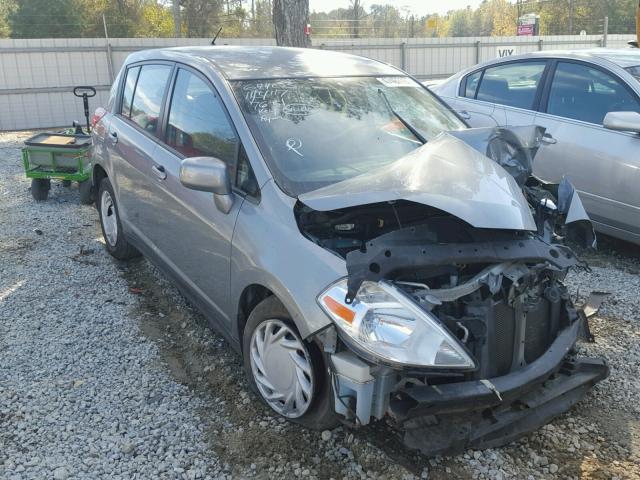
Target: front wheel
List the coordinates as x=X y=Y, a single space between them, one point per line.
x=114 y=239
x=40 y=188
x=287 y=373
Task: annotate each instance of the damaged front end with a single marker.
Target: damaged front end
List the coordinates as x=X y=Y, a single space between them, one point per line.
x=453 y=319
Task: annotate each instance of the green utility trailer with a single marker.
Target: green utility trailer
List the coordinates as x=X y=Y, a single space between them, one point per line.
x=58 y=155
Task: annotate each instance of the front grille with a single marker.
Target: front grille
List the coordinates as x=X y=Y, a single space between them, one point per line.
x=504 y=352
x=504 y=330
x=505 y=339
x=538 y=335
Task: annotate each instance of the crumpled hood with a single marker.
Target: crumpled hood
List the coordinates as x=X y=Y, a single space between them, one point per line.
x=447 y=174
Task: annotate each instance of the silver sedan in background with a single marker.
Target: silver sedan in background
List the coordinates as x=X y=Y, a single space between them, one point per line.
x=589 y=102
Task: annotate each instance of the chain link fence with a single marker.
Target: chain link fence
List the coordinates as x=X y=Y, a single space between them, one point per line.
x=37 y=75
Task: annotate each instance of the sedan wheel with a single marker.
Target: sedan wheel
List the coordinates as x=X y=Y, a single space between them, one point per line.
x=281 y=367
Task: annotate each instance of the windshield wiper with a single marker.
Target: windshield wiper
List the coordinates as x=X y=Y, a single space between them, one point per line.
x=409 y=127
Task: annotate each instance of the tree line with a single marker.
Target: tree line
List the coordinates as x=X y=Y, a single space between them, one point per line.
x=254 y=18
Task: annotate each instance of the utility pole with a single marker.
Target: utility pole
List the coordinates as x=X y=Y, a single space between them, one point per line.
x=605 y=31
x=109 y=57
x=176 y=18
x=356 y=18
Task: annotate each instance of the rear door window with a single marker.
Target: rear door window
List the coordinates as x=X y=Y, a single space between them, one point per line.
x=148 y=95
x=514 y=84
x=198 y=124
x=588 y=94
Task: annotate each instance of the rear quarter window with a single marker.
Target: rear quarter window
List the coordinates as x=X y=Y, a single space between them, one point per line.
x=471 y=84
x=129 y=87
x=147 y=97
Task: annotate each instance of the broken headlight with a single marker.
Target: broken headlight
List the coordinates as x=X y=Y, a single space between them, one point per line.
x=383 y=322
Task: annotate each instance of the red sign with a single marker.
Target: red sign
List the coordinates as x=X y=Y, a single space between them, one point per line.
x=526 y=30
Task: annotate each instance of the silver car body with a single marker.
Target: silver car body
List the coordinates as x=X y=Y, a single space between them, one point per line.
x=603 y=164
x=488 y=247
x=185 y=234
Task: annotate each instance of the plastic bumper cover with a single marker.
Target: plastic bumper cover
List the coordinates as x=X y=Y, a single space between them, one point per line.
x=448 y=418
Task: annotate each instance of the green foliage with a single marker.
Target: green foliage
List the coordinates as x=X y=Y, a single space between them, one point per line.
x=253 y=18
x=45 y=19
x=490 y=18
x=6 y=7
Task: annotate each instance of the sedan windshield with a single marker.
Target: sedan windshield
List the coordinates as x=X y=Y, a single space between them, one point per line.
x=317 y=131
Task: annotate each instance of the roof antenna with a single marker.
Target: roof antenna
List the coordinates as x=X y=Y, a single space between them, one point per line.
x=213 y=42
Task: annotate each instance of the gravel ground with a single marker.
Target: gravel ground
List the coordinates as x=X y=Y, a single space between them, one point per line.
x=106 y=372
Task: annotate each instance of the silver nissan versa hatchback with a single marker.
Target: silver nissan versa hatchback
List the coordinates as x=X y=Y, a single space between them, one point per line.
x=367 y=253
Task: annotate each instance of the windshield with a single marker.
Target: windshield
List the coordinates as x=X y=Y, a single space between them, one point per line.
x=317 y=131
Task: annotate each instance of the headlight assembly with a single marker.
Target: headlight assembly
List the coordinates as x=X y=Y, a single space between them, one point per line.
x=388 y=325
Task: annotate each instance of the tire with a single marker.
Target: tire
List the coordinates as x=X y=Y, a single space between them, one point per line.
x=66 y=183
x=114 y=239
x=317 y=412
x=86 y=192
x=40 y=188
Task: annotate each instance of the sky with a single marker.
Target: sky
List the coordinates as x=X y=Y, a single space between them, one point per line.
x=417 y=7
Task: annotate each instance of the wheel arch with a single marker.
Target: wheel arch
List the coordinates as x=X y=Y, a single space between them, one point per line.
x=250 y=297
x=96 y=177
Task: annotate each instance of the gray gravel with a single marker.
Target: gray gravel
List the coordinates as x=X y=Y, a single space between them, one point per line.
x=106 y=372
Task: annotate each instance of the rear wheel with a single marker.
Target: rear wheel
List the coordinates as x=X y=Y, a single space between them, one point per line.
x=86 y=192
x=114 y=239
x=40 y=188
x=286 y=372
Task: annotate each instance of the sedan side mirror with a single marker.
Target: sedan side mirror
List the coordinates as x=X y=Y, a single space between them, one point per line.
x=208 y=174
x=622 y=121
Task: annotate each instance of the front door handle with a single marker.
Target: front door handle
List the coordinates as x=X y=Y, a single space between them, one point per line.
x=114 y=137
x=548 y=139
x=158 y=171
x=464 y=114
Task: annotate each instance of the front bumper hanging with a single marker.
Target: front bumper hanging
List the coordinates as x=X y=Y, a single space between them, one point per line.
x=449 y=418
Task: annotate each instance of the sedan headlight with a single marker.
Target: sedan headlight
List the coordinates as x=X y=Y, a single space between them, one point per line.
x=386 y=324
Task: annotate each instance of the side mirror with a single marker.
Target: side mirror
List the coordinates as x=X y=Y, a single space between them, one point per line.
x=208 y=174
x=622 y=121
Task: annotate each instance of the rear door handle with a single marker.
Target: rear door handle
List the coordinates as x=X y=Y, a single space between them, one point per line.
x=158 y=171
x=464 y=114
x=114 y=137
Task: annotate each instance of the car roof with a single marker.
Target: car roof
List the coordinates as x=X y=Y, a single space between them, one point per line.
x=623 y=57
x=252 y=62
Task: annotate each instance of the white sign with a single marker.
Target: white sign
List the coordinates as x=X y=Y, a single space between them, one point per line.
x=505 y=51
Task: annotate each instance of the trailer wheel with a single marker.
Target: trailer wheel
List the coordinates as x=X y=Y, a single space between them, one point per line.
x=40 y=188
x=86 y=192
